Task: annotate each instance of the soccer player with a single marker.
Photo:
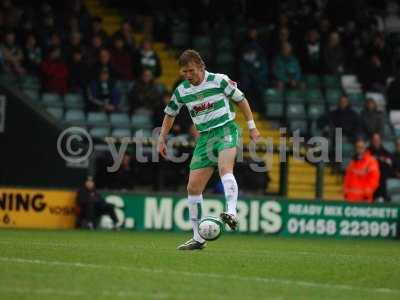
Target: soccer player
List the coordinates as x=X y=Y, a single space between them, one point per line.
x=208 y=98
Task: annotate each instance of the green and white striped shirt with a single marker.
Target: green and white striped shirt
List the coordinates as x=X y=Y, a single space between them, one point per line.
x=208 y=103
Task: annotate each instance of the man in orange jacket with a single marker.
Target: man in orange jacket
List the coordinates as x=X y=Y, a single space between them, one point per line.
x=362 y=175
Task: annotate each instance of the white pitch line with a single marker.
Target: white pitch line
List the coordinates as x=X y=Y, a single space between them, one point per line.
x=389 y=259
x=79 y=293
x=309 y=284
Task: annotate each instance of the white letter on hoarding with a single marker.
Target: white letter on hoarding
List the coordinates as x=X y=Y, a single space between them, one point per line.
x=158 y=217
x=212 y=208
x=254 y=216
x=243 y=212
x=272 y=222
x=179 y=220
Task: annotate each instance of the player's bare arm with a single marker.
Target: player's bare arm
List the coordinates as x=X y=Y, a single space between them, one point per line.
x=245 y=108
x=165 y=128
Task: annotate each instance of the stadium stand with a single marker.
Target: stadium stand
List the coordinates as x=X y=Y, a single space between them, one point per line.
x=294 y=72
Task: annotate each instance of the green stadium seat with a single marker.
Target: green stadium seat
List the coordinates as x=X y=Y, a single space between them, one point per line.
x=394 y=39
x=120 y=120
x=356 y=98
x=357 y=107
x=298 y=125
x=389 y=132
x=295 y=111
x=100 y=132
x=179 y=39
x=56 y=112
x=314 y=130
x=52 y=100
x=121 y=132
x=393 y=189
x=332 y=96
x=389 y=146
x=331 y=81
x=72 y=100
x=123 y=86
x=224 y=44
x=273 y=95
x=274 y=110
x=294 y=96
x=201 y=42
x=312 y=81
x=140 y=121
x=97 y=119
x=143 y=133
x=347 y=149
x=224 y=61
x=74 y=116
x=314 y=96
x=224 y=57
x=315 y=111
x=30 y=82
x=32 y=94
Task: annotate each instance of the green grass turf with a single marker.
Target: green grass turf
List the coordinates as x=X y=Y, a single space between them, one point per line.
x=131 y=265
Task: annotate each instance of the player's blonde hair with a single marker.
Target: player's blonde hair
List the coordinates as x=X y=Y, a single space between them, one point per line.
x=190 y=55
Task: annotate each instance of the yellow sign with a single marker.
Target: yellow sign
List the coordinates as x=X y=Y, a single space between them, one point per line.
x=31 y=208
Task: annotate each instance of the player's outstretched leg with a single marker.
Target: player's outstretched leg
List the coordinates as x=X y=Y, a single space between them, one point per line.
x=231 y=196
x=197 y=242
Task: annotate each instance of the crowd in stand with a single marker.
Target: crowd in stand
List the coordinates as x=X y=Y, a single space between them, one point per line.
x=69 y=50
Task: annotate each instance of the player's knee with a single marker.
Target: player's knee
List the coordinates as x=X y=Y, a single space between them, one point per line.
x=225 y=170
x=193 y=189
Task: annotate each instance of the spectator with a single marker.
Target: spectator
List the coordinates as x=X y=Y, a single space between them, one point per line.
x=121 y=60
x=362 y=175
x=287 y=69
x=254 y=75
x=12 y=53
x=149 y=58
x=11 y=14
x=127 y=34
x=75 y=44
x=280 y=36
x=104 y=64
x=32 y=55
x=372 y=120
x=392 y=20
x=145 y=93
x=93 y=51
x=46 y=29
x=92 y=206
x=54 y=73
x=252 y=41
x=373 y=75
x=396 y=160
x=54 y=41
x=325 y=29
x=385 y=161
x=79 y=72
x=311 y=54
x=393 y=93
x=73 y=26
x=102 y=93
x=346 y=118
x=97 y=29
x=380 y=49
x=334 y=55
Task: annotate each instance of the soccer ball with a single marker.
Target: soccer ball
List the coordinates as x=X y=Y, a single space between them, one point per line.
x=210 y=228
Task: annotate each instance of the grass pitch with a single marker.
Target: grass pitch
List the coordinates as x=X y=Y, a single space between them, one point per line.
x=133 y=265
